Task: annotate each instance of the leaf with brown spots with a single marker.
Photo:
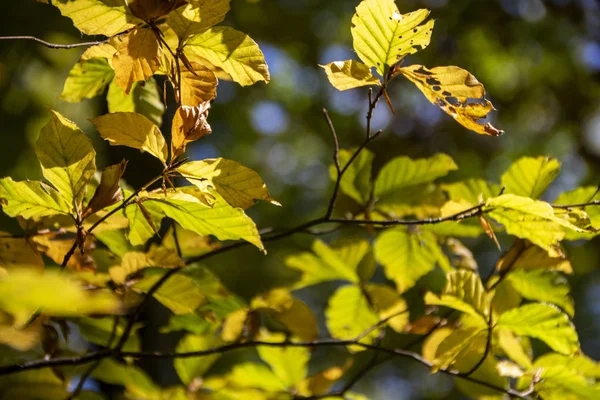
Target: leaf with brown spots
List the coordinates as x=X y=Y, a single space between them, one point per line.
x=457 y=92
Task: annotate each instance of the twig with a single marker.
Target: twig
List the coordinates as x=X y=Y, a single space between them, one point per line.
x=54 y=45
x=336 y=163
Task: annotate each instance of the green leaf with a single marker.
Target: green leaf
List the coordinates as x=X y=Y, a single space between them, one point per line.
x=543 y=286
x=559 y=382
x=144 y=99
x=132 y=130
x=486 y=372
x=349 y=74
x=356 y=182
x=544 y=322
x=464 y=292
x=240 y=186
x=87 y=79
x=457 y=92
x=97 y=17
x=19 y=253
x=471 y=190
x=407 y=256
x=348 y=315
x=403 y=172
x=529 y=219
x=67 y=157
x=233 y=51
x=387 y=303
x=180 y=294
x=192 y=368
x=25 y=292
x=140 y=229
x=136 y=382
x=31 y=199
x=33 y=385
x=289 y=364
x=458 y=346
x=382 y=36
x=197 y=17
x=326 y=263
x=219 y=219
x=250 y=375
x=99 y=330
x=579 y=363
x=530 y=177
x=578 y=196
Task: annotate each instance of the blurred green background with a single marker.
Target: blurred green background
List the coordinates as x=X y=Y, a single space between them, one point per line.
x=538 y=59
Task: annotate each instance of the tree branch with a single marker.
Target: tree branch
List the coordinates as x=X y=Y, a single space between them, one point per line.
x=54 y=45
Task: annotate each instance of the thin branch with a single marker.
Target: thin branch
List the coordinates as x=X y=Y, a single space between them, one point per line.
x=336 y=163
x=568 y=206
x=54 y=45
x=488 y=347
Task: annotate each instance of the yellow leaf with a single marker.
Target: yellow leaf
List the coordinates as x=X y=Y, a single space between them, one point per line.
x=19 y=254
x=31 y=199
x=137 y=58
x=87 y=79
x=197 y=16
x=134 y=261
x=189 y=124
x=97 y=17
x=67 y=157
x=450 y=88
x=132 y=130
x=108 y=192
x=349 y=74
x=55 y=249
x=103 y=50
x=144 y=98
x=233 y=51
x=382 y=36
x=25 y=292
x=198 y=85
x=240 y=186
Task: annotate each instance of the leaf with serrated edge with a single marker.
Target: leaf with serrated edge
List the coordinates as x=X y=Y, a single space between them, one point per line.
x=451 y=88
x=137 y=58
x=67 y=157
x=240 y=186
x=349 y=74
x=544 y=322
x=464 y=292
x=97 y=17
x=198 y=85
x=132 y=130
x=219 y=219
x=87 y=79
x=545 y=286
x=31 y=199
x=402 y=172
x=407 y=256
x=233 y=51
x=197 y=16
x=382 y=36
x=530 y=177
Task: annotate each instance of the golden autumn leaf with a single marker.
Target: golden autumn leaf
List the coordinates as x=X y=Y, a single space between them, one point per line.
x=189 y=124
x=197 y=16
x=55 y=248
x=349 y=74
x=198 y=85
x=137 y=58
x=457 y=92
x=108 y=192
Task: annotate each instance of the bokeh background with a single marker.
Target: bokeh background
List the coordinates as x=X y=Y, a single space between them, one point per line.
x=538 y=59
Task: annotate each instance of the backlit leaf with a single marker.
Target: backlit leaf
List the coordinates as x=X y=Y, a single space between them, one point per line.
x=31 y=199
x=220 y=219
x=189 y=124
x=289 y=364
x=526 y=256
x=402 y=172
x=240 y=186
x=137 y=58
x=24 y=292
x=197 y=16
x=578 y=196
x=87 y=79
x=544 y=286
x=579 y=363
x=179 y=294
x=98 y=331
x=233 y=51
x=457 y=346
x=67 y=157
x=349 y=315
x=108 y=192
x=464 y=292
x=349 y=74
x=198 y=85
x=144 y=220
x=97 y=17
x=356 y=182
x=544 y=322
x=407 y=256
x=132 y=130
x=471 y=190
x=328 y=263
x=382 y=36
x=144 y=99
x=451 y=88
x=559 y=382
x=19 y=254
x=388 y=304
x=189 y=369
x=530 y=177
